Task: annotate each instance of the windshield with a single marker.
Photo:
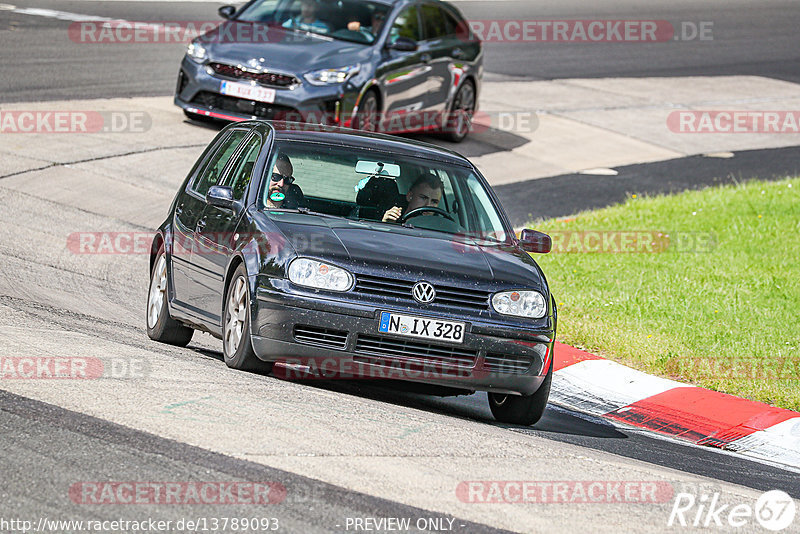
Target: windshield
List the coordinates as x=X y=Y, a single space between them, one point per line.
x=348 y=20
x=370 y=185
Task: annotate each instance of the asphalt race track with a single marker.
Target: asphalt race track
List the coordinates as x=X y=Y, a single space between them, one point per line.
x=342 y=451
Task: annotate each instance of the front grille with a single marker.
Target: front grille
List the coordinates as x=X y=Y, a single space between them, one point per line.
x=265 y=78
x=215 y=101
x=386 y=351
x=507 y=363
x=401 y=290
x=321 y=337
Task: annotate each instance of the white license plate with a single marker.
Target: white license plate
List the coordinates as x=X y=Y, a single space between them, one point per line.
x=251 y=92
x=407 y=325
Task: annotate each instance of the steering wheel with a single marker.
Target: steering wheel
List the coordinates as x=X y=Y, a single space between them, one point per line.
x=426 y=209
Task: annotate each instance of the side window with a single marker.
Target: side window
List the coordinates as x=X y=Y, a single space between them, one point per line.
x=488 y=220
x=239 y=179
x=213 y=170
x=433 y=19
x=453 y=25
x=406 y=25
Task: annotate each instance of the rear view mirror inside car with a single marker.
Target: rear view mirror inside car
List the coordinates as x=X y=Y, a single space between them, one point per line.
x=377 y=168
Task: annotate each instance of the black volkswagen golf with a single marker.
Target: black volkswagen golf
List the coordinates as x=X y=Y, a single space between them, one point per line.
x=390 y=257
x=383 y=65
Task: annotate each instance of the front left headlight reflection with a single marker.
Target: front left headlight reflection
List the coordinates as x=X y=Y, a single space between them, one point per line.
x=320 y=275
x=197 y=52
x=520 y=304
x=332 y=76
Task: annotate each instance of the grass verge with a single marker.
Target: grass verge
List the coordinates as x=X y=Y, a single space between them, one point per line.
x=716 y=301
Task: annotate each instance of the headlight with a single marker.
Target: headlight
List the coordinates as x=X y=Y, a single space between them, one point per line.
x=520 y=303
x=331 y=76
x=197 y=52
x=313 y=273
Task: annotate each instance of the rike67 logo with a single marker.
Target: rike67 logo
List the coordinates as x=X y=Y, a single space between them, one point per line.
x=774 y=510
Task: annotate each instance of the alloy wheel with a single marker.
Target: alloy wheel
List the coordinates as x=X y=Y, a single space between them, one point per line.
x=158 y=290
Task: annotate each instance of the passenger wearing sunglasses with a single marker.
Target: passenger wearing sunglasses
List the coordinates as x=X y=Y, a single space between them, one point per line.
x=283 y=192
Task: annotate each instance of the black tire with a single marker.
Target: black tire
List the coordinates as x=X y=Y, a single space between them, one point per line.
x=243 y=357
x=164 y=329
x=459 y=120
x=523 y=411
x=367 y=116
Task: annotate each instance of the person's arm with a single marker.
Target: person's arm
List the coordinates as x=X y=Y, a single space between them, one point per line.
x=392 y=214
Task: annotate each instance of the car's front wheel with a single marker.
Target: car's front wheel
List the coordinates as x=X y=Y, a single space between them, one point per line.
x=459 y=120
x=237 y=346
x=160 y=325
x=367 y=118
x=525 y=410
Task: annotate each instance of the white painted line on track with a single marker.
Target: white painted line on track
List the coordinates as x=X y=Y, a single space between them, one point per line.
x=75 y=17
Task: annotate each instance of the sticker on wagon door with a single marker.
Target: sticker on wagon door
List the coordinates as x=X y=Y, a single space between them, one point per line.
x=422 y=327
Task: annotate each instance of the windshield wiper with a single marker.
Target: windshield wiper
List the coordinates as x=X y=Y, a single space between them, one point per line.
x=306 y=211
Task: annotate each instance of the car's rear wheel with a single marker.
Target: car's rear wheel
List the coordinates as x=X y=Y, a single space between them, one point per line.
x=459 y=120
x=518 y=410
x=160 y=325
x=367 y=115
x=237 y=346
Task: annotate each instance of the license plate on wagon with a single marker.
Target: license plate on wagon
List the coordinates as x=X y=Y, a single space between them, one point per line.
x=421 y=327
x=251 y=92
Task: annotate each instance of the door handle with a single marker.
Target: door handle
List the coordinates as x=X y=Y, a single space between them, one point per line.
x=457 y=53
x=201 y=223
x=426 y=58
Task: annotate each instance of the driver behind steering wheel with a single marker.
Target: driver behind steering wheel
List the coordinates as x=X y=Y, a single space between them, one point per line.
x=425 y=192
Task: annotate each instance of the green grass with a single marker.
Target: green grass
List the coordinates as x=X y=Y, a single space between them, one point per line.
x=723 y=317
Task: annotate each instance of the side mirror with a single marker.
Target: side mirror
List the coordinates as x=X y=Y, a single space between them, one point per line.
x=533 y=241
x=403 y=44
x=220 y=196
x=226 y=12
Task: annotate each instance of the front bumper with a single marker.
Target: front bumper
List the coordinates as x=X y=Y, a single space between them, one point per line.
x=341 y=340
x=198 y=92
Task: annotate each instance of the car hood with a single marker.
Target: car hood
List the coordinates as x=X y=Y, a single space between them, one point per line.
x=280 y=49
x=385 y=250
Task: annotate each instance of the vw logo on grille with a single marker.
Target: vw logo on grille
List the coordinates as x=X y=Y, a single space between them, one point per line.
x=423 y=292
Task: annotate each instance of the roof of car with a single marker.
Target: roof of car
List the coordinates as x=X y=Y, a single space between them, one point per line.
x=355 y=138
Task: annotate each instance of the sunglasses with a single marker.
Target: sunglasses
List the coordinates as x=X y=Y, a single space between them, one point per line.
x=277 y=177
